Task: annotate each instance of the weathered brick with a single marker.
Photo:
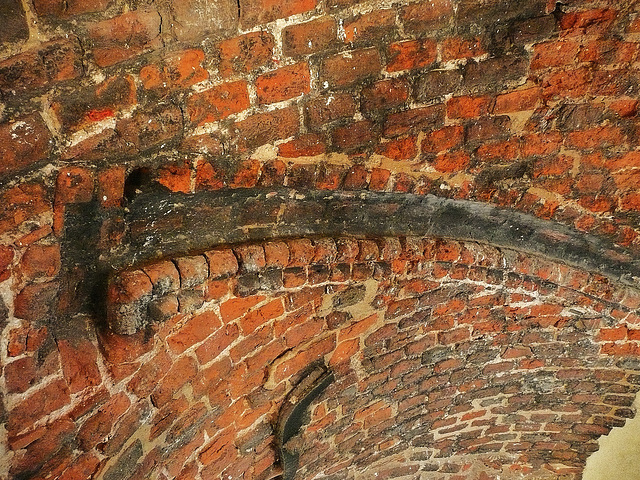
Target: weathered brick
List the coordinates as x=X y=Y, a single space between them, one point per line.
x=284 y=83
x=23 y=142
x=66 y=8
x=412 y=120
x=42 y=402
x=218 y=102
x=423 y=17
x=245 y=53
x=194 y=331
x=468 y=107
x=262 y=128
x=254 y=12
x=15 y=28
x=323 y=110
x=52 y=63
x=125 y=36
x=310 y=37
x=178 y=70
x=455 y=48
x=194 y=19
x=307 y=145
x=353 y=67
x=357 y=135
x=91 y=104
x=385 y=94
x=369 y=27
x=411 y=54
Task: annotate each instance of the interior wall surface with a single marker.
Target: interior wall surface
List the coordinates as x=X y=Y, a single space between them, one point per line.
x=436 y=201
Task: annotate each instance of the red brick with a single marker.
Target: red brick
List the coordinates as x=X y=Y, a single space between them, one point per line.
x=370 y=26
x=555 y=54
x=323 y=110
x=588 y=22
x=251 y=257
x=596 y=137
x=568 y=83
x=209 y=177
x=79 y=364
x=164 y=276
x=443 y=139
x=425 y=16
x=194 y=19
x=96 y=428
x=625 y=108
x=74 y=185
x=44 y=401
x=193 y=270
x=21 y=203
x=258 y=317
x=284 y=83
x=218 y=102
x=129 y=286
x=194 y=331
x=37 y=302
x=181 y=373
x=21 y=374
x=415 y=119
x=385 y=94
x=236 y=307
x=40 y=261
x=125 y=36
x=310 y=37
x=119 y=349
x=111 y=186
x=455 y=48
x=350 y=68
x=301 y=252
x=276 y=254
x=411 y=54
x=178 y=70
x=307 y=145
x=175 y=176
x=56 y=434
x=354 y=136
x=245 y=53
x=80 y=107
x=53 y=62
x=217 y=343
x=400 y=148
x=468 y=107
x=222 y=262
x=451 y=162
x=256 y=12
x=147 y=377
x=65 y=8
x=23 y=142
x=263 y=128
x=517 y=101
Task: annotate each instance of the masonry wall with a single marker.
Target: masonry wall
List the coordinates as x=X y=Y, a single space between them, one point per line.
x=201 y=198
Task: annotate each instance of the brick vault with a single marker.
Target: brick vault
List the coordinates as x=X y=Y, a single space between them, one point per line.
x=317 y=239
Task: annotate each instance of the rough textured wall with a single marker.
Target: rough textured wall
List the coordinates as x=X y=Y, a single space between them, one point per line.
x=452 y=360
x=117 y=116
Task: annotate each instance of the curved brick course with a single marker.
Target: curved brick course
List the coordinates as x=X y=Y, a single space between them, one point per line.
x=452 y=359
x=198 y=198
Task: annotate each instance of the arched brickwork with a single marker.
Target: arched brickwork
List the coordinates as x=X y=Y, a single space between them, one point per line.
x=134 y=133
x=449 y=356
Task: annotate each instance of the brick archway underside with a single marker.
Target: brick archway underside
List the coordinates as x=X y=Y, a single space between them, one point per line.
x=453 y=358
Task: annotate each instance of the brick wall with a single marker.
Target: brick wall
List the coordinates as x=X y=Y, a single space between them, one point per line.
x=117 y=117
x=449 y=357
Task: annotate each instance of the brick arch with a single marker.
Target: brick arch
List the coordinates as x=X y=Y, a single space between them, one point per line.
x=449 y=356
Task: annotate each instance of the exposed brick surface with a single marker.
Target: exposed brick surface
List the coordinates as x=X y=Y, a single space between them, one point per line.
x=452 y=360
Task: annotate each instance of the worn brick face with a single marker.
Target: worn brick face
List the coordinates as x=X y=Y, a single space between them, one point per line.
x=465 y=361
